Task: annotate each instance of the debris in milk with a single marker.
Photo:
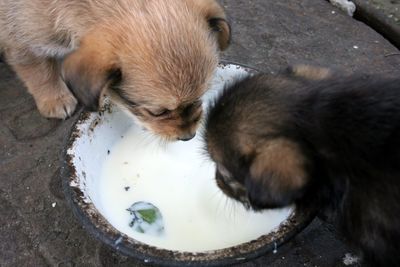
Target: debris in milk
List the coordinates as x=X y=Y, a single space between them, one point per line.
x=147 y=218
x=179 y=182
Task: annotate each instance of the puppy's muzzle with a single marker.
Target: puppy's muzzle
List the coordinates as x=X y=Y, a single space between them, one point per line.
x=187 y=137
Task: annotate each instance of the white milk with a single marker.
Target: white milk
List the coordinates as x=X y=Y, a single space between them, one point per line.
x=179 y=180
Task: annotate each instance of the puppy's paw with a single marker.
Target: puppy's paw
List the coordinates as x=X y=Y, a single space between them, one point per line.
x=57 y=105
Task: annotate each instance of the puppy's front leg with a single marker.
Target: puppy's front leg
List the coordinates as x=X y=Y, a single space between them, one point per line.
x=43 y=80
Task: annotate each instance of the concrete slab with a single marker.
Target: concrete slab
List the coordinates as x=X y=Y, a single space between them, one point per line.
x=272 y=34
x=268 y=35
x=382 y=15
x=390 y=8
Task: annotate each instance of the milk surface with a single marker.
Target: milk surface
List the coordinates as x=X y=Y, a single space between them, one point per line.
x=178 y=178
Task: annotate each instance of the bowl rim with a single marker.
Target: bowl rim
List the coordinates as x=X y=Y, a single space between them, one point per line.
x=98 y=226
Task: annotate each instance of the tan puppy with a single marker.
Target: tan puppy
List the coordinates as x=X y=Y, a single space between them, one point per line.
x=155 y=58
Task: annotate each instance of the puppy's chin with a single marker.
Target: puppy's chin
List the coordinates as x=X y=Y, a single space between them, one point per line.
x=168 y=131
x=232 y=192
x=241 y=199
x=260 y=207
x=251 y=200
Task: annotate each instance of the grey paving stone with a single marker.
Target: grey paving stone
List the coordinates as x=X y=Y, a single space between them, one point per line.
x=382 y=15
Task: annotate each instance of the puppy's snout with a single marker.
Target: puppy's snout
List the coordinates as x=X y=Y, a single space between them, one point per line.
x=187 y=137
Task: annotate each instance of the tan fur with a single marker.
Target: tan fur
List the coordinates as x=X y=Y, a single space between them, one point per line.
x=310 y=72
x=165 y=51
x=211 y=9
x=281 y=158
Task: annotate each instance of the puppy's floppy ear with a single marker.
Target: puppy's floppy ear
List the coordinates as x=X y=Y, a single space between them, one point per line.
x=88 y=70
x=216 y=18
x=277 y=174
x=222 y=29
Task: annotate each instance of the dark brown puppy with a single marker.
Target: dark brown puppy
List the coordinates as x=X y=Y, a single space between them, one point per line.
x=287 y=139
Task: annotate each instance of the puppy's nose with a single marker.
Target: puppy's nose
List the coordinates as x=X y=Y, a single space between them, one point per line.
x=186 y=137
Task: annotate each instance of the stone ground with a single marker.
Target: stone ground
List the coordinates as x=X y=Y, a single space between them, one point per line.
x=382 y=15
x=268 y=35
x=391 y=8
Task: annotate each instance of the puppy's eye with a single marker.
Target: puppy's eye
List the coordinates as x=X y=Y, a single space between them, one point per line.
x=197 y=104
x=159 y=112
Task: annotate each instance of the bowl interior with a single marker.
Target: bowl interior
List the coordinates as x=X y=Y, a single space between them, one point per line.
x=88 y=147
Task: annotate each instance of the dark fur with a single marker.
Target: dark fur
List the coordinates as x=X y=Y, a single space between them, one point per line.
x=345 y=133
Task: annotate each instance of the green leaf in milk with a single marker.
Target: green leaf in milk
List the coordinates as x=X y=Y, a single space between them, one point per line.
x=140 y=230
x=146 y=218
x=148 y=215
